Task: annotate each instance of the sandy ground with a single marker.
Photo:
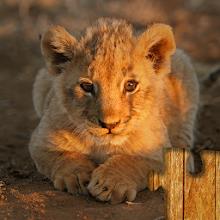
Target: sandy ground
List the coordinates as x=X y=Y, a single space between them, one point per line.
x=25 y=194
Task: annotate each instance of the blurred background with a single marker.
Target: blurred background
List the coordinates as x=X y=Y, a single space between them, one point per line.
x=196 y=24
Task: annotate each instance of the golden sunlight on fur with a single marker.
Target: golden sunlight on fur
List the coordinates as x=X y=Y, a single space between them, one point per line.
x=109 y=104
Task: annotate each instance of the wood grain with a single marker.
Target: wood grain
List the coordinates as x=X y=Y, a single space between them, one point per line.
x=217 y=186
x=199 y=191
x=150 y=184
x=173 y=183
x=190 y=197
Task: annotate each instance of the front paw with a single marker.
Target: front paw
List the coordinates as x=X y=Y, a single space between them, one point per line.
x=72 y=177
x=110 y=184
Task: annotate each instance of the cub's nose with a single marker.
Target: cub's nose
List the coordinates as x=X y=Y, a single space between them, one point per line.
x=107 y=125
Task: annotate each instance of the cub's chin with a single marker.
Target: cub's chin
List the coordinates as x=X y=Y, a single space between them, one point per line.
x=111 y=139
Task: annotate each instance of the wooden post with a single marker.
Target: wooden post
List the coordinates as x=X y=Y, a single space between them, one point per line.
x=199 y=191
x=217 y=186
x=190 y=197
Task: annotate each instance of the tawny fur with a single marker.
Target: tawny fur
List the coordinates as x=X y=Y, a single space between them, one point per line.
x=71 y=147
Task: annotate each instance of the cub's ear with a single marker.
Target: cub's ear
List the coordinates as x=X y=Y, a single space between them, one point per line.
x=157 y=44
x=57 y=47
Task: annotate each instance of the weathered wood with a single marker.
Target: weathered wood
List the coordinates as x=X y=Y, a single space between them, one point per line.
x=156 y=179
x=172 y=182
x=199 y=191
x=174 y=185
x=190 y=197
x=150 y=183
x=217 y=186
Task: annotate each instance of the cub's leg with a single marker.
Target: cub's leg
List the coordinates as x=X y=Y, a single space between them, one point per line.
x=194 y=162
x=185 y=85
x=68 y=170
x=183 y=137
x=183 y=88
x=120 y=178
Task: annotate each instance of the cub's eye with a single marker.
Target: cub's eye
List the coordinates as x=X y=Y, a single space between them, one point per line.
x=131 y=85
x=87 y=86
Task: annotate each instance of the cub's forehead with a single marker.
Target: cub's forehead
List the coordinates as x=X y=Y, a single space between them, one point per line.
x=108 y=46
x=115 y=31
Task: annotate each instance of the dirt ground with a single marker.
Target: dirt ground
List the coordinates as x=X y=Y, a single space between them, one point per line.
x=25 y=194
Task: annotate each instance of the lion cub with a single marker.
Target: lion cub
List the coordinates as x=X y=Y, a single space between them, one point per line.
x=109 y=104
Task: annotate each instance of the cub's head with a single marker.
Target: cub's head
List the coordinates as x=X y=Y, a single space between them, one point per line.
x=108 y=80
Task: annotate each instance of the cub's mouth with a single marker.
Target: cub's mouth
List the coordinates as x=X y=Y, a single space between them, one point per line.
x=98 y=131
x=109 y=130
x=105 y=136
